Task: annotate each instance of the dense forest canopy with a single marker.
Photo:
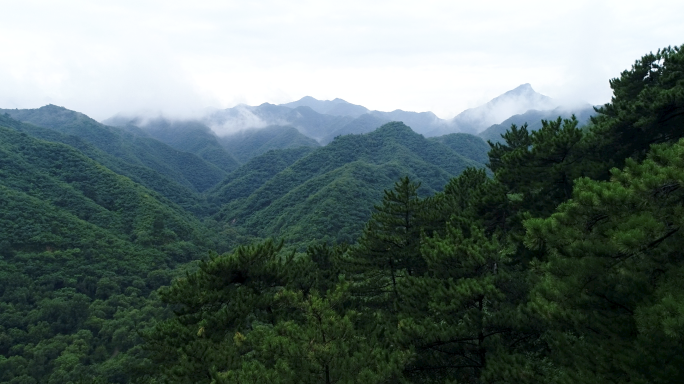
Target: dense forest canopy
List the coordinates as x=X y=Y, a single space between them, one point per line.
x=552 y=255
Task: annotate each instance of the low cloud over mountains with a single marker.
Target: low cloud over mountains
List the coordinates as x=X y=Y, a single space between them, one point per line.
x=323 y=120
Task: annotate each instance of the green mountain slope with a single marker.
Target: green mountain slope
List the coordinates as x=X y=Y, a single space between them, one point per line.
x=249 y=177
x=466 y=145
x=65 y=178
x=82 y=250
x=184 y=135
x=362 y=124
x=249 y=143
x=185 y=168
x=329 y=193
x=175 y=192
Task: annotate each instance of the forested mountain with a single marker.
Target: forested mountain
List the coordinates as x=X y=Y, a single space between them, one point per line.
x=185 y=135
x=466 y=145
x=533 y=119
x=249 y=143
x=184 y=168
x=249 y=177
x=329 y=193
x=564 y=267
x=82 y=249
x=382 y=257
x=182 y=195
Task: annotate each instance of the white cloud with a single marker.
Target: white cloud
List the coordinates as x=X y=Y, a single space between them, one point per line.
x=445 y=56
x=240 y=119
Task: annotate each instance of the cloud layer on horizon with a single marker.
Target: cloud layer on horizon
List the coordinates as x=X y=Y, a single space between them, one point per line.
x=442 y=56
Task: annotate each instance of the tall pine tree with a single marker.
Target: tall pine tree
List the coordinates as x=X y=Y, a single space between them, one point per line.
x=611 y=289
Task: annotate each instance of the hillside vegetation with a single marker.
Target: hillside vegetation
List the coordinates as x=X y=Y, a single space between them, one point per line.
x=184 y=135
x=382 y=257
x=565 y=266
x=148 y=177
x=466 y=145
x=82 y=251
x=184 y=168
x=329 y=194
x=250 y=143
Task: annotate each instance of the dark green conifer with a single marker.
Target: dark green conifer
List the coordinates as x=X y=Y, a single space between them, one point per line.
x=468 y=328
x=611 y=290
x=647 y=107
x=229 y=294
x=541 y=166
x=389 y=248
x=320 y=343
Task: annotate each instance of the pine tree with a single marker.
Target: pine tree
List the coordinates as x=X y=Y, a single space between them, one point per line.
x=475 y=198
x=611 y=290
x=647 y=107
x=469 y=329
x=540 y=166
x=258 y=315
x=389 y=248
x=229 y=293
x=321 y=344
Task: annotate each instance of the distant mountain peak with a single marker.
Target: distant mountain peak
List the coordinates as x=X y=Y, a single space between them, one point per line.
x=522 y=87
x=523 y=90
x=393 y=127
x=335 y=107
x=516 y=101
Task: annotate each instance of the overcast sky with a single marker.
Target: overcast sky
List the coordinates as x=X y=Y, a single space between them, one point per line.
x=105 y=57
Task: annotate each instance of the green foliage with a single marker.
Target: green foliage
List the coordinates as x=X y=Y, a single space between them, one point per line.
x=187 y=136
x=388 y=249
x=329 y=194
x=249 y=177
x=78 y=244
x=614 y=254
x=541 y=165
x=241 y=317
x=60 y=175
x=560 y=268
x=466 y=145
x=320 y=345
x=228 y=294
x=647 y=107
x=182 y=167
x=172 y=190
x=475 y=198
x=462 y=318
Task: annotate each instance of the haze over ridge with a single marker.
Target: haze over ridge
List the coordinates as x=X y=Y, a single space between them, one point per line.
x=341 y=112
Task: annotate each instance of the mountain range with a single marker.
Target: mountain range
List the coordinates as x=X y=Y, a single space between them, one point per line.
x=247 y=180
x=296 y=158
x=325 y=119
x=285 y=241
x=323 y=193
x=234 y=135
x=98 y=215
